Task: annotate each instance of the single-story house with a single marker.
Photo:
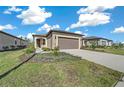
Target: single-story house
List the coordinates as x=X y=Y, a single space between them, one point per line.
x=8 y=41
x=67 y=40
x=99 y=41
x=57 y=38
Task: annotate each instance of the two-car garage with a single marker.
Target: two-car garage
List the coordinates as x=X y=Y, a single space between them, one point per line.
x=61 y=39
x=68 y=43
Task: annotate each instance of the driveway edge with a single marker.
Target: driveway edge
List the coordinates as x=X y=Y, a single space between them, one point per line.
x=120 y=79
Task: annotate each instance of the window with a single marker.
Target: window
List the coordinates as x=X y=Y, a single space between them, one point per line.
x=44 y=42
x=15 y=42
x=103 y=43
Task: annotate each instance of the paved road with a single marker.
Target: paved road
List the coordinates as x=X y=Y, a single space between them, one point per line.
x=112 y=61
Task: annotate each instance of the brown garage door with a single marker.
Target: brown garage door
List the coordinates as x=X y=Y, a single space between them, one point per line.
x=68 y=43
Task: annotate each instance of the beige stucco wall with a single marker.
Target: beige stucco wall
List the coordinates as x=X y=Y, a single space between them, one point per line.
x=49 y=41
x=56 y=35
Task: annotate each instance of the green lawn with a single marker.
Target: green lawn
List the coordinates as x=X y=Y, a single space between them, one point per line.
x=62 y=70
x=9 y=59
x=109 y=50
x=114 y=51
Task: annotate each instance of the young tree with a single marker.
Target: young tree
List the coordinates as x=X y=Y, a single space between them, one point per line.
x=93 y=45
x=120 y=45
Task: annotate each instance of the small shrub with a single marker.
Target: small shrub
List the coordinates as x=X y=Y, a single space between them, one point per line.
x=13 y=47
x=18 y=46
x=93 y=46
x=56 y=51
x=101 y=46
x=56 y=48
x=21 y=46
x=120 y=45
x=51 y=49
x=30 y=49
x=83 y=47
x=5 y=47
x=115 y=46
x=108 y=47
x=45 y=49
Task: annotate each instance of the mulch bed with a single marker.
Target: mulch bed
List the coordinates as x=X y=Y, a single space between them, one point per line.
x=49 y=57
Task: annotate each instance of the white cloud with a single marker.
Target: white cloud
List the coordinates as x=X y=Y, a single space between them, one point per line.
x=80 y=32
x=15 y=9
x=92 y=16
x=7 y=12
x=91 y=20
x=22 y=36
x=8 y=27
x=92 y=9
x=119 y=30
x=67 y=29
x=47 y=27
x=12 y=9
x=34 y=15
x=30 y=37
x=86 y=30
x=85 y=34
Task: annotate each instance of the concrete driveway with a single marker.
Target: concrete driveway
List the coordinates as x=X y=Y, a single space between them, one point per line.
x=112 y=61
x=115 y=62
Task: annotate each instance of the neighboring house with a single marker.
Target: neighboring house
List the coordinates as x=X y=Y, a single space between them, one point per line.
x=8 y=41
x=57 y=38
x=99 y=41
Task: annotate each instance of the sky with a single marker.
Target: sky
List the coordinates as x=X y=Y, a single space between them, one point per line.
x=101 y=21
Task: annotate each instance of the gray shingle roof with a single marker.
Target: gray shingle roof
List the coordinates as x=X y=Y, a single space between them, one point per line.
x=11 y=35
x=95 y=37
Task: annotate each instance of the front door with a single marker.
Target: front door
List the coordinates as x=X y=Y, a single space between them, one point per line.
x=38 y=43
